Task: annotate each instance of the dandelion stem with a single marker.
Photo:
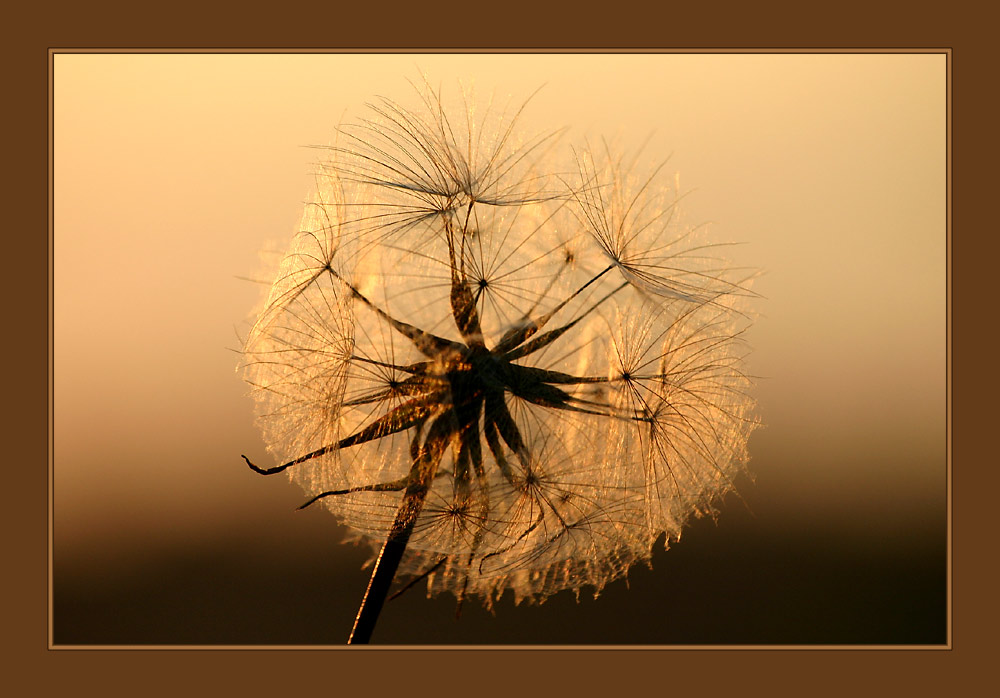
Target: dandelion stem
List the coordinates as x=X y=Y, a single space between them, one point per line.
x=421 y=474
x=382 y=576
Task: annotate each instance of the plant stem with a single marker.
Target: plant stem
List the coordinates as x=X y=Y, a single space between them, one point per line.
x=382 y=576
x=421 y=474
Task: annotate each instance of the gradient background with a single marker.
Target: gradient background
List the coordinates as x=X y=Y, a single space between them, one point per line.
x=174 y=172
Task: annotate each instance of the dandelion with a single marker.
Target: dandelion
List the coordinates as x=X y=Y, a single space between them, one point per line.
x=508 y=373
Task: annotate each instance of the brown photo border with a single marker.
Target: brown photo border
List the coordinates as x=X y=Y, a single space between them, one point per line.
x=169 y=672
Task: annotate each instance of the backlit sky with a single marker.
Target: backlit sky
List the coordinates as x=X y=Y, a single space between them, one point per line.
x=176 y=174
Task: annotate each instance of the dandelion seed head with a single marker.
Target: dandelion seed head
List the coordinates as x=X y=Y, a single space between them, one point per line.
x=546 y=368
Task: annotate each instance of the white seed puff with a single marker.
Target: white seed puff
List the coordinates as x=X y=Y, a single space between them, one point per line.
x=524 y=334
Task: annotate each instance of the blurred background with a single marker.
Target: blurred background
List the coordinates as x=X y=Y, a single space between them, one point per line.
x=179 y=179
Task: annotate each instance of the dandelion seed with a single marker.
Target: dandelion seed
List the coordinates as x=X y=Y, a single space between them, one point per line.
x=507 y=376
